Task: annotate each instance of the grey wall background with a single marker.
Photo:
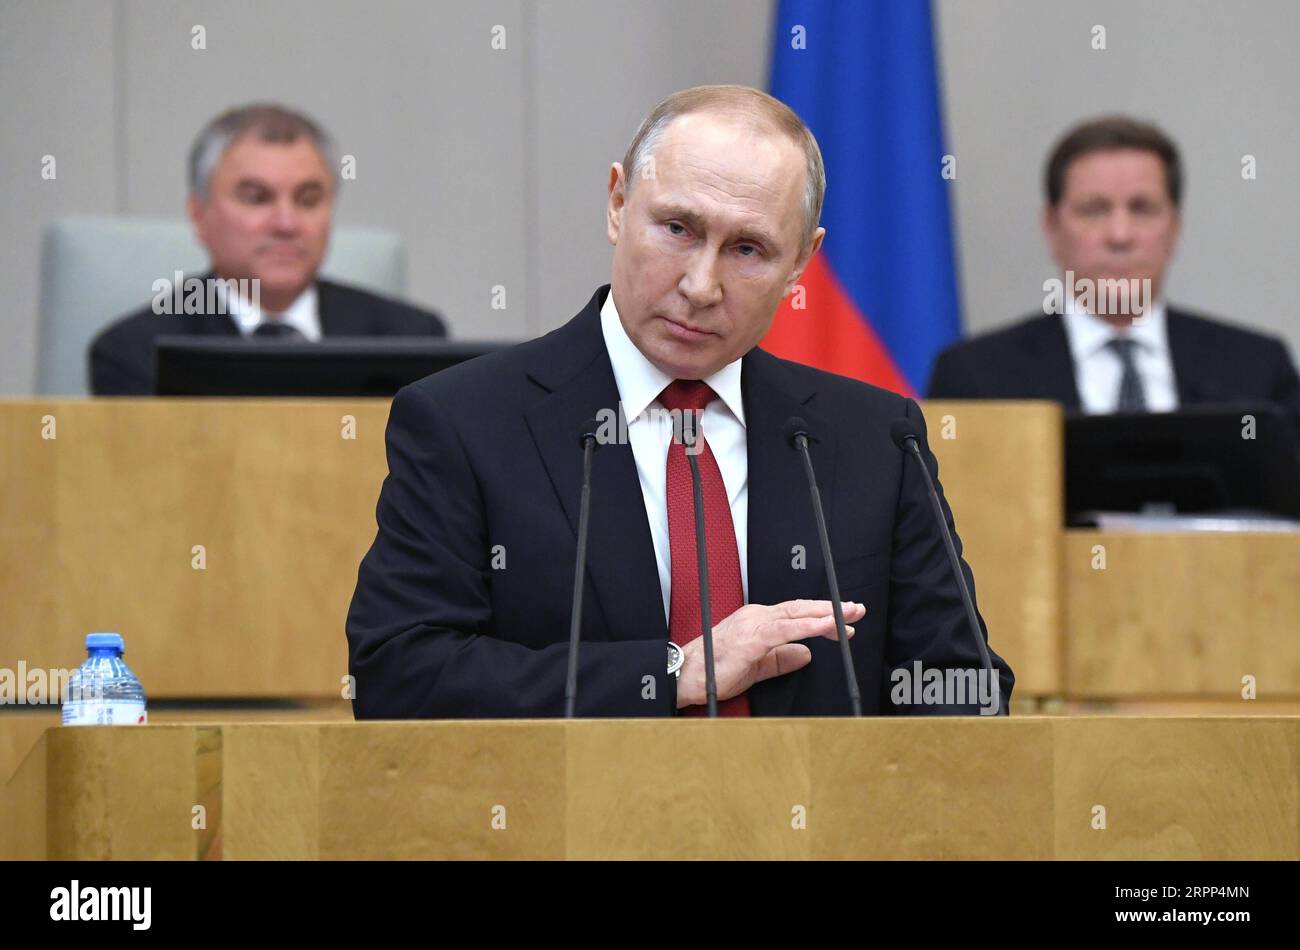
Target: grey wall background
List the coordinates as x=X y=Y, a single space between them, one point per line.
x=491 y=164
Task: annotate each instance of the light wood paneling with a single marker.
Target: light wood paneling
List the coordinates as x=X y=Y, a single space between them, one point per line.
x=1000 y=465
x=1182 y=615
x=98 y=526
x=925 y=788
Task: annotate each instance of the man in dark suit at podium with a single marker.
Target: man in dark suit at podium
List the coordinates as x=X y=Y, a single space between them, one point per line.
x=462 y=604
x=262 y=186
x=1114 y=191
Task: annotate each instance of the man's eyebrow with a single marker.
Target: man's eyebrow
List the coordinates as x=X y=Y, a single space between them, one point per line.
x=678 y=211
x=758 y=236
x=693 y=218
x=252 y=183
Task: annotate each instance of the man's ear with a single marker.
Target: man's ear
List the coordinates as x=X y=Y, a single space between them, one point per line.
x=617 y=201
x=194 y=211
x=1050 y=223
x=802 y=263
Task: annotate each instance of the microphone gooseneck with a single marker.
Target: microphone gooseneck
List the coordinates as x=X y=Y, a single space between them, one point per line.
x=588 y=440
x=904 y=435
x=796 y=434
x=689 y=422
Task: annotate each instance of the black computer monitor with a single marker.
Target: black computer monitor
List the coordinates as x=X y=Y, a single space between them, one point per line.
x=1240 y=458
x=334 y=366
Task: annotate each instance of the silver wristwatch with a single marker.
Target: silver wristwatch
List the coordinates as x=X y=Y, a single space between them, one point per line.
x=676 y=657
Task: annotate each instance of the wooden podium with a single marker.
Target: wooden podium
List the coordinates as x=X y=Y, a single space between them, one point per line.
x=173 y=521
x=221 y=537
x=914 y=788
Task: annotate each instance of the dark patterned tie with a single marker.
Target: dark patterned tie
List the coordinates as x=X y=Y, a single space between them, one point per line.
x=1132 y=398
x=277 y=330
x=726 y=594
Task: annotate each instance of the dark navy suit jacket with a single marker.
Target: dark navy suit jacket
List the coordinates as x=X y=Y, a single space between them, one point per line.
x=484 y=459
x=121 y=356
x=1214 y=362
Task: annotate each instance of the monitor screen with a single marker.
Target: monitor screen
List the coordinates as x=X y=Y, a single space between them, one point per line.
x=335 y=366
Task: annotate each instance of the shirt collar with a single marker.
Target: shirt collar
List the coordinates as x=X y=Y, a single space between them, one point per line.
x=300 y=314
x=640 y=382
x=1089 y=333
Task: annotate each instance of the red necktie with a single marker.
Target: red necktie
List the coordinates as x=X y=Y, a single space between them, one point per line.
x=726 y=595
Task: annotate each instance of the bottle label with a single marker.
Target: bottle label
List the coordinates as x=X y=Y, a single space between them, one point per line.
x=105 y=714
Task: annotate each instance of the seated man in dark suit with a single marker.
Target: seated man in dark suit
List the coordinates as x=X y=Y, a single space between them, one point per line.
x=462 y=604
x=1112 y=220
x=262 y=186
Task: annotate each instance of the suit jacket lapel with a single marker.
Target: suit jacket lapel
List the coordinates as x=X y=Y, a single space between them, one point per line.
x=1055 y=363
x=211 y=324
x=574 y=368
x=335 y=319
x=1183 y=352
x=776 y=477
x=220 y=324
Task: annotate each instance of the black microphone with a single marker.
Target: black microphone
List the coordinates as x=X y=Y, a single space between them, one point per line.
x=904 y=435
x=690 y=420
x=796 y=434
x=587 y=438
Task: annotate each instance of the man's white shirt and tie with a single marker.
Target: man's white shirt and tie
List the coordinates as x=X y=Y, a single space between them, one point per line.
x=1126 y=369
x=300 y=320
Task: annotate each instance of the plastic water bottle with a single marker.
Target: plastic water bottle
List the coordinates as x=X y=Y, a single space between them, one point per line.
x=103 y=691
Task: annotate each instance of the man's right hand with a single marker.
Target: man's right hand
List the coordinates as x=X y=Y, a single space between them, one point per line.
x=756 y=643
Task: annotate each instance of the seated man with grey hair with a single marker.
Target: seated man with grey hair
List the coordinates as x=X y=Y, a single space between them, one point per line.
x=262 y=182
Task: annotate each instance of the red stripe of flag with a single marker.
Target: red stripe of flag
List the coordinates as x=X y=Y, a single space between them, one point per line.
x=840 y=338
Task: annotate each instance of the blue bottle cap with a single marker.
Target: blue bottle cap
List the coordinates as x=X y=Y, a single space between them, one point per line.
x=105 y=641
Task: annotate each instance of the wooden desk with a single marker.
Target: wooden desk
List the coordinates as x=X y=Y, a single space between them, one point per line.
x=922 y=788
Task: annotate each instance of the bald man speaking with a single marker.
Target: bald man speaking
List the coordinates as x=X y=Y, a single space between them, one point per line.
x=462 y=605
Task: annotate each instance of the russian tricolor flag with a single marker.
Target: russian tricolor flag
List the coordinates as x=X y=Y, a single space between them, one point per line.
x=881 y=295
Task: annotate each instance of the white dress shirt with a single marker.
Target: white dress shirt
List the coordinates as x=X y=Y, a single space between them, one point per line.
x=302 y=314
x=1097 y=368
x=722 y=423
